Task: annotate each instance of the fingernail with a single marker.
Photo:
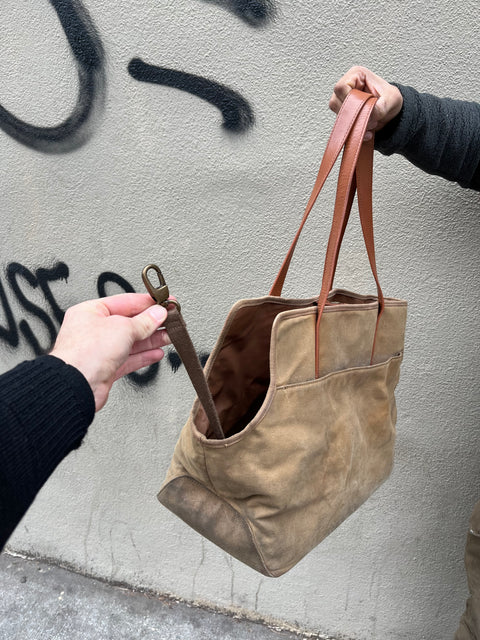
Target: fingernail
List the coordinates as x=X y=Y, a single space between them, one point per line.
x=158 y=313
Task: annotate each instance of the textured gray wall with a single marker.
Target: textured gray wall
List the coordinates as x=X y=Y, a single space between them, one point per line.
x=140 y=172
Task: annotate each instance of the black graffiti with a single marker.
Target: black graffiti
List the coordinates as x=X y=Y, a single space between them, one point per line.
x=236 y=111
x=8 y=334
x=176 y=363
x=22 y=281
x=255 y=12
x=15 y=271
x=59 y=271
x=112 y=277
x=88 y=51
x=87 y=48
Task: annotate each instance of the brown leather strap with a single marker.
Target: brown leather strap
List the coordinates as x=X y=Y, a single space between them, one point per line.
x=364 y=172
x=354 y=173
x=344 y=198
x=178 y=334
x=343 y=124
x=365 y=169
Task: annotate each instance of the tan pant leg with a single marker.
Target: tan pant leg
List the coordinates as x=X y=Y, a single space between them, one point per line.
x=469 y=628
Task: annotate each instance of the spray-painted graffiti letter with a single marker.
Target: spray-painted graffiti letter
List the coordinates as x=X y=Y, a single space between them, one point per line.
x=255 y=12
x=88 y=51
x=237 y=113
x=44 y=276
x=15 y=270
x=9 y=334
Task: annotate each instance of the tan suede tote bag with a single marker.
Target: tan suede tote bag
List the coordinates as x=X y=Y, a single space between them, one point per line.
x=294 y=427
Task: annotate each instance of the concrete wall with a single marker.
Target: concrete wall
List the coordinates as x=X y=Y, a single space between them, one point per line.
x=105 y=168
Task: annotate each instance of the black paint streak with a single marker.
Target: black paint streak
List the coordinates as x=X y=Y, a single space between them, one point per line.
x=87 y=48
x=236 y=111
x=9 y=334
x=111 y=276
x=59 y=272
x=175 y=361
x=146 y=377
x=256 y=13
x=15 y=271
x=203 y=357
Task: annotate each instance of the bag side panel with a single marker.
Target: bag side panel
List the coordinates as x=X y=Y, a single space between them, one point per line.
x=321 y=450
x=188 y=458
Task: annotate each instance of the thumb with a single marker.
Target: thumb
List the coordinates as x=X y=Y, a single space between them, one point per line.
x=147 y=322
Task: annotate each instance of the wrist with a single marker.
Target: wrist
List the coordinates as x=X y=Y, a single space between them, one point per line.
x=74 y=360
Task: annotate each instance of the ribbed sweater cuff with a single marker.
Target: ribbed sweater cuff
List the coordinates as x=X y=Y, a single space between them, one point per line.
x=46 y=406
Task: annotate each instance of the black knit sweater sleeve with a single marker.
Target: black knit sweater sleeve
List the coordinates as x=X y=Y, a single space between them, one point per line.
x=46 y=407
x=439 y=135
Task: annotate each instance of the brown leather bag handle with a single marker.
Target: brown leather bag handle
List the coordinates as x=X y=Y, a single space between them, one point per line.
x=349 y=179
x=346 y=118
x=355 y=174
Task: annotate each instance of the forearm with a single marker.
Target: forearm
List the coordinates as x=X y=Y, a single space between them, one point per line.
x=439 y=135
x=46 y=407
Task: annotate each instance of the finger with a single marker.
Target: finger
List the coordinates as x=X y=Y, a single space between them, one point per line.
x=343 y=88
x=353 y=79
x=381 y=109
x=127 y=304
x=144 y=324
x=158 y=339
x=335 y=103
x=138 y=361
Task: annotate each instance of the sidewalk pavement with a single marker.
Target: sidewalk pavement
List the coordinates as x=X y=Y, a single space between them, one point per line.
x=40 y=601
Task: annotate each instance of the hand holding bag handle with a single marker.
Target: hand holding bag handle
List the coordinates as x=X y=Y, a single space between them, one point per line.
x=178 y=334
